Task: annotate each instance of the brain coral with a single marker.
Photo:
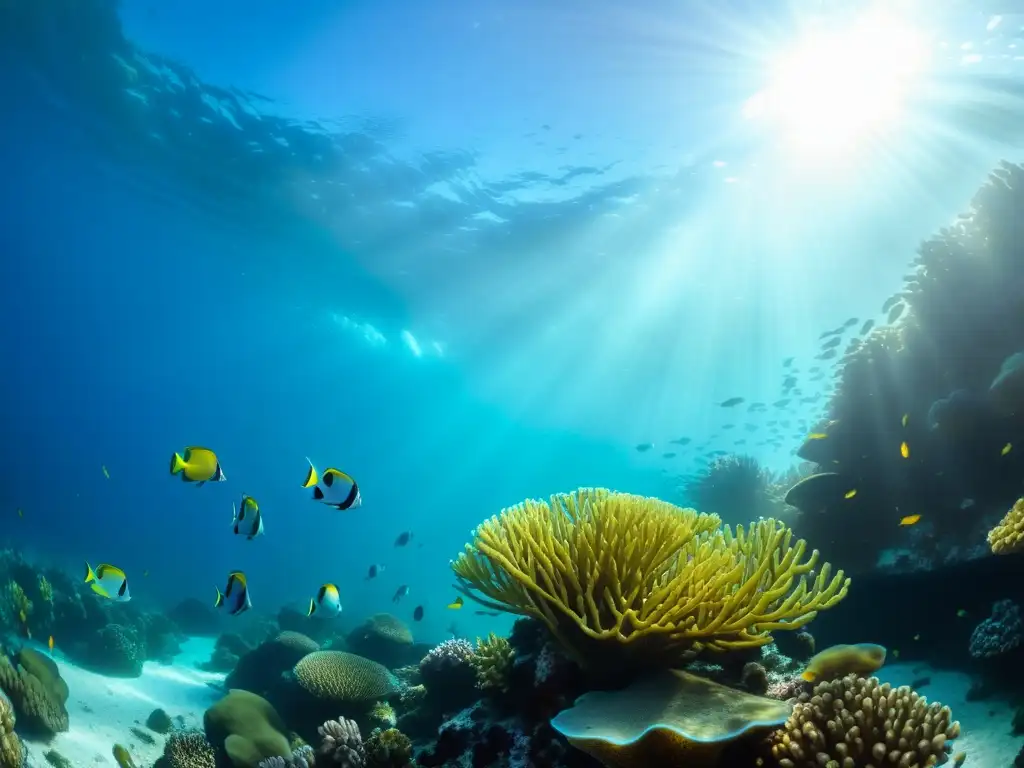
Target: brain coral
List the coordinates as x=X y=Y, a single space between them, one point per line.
x=999 y=633
x=249 y=728
x=624 y=580
x=858 y=723
x=344 y=677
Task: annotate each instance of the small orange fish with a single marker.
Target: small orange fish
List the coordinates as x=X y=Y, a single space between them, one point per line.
x=904 y=450
x=1006 y=449
x=909 y=519
x=906 y=417
x=850 y=494
x=49 y=643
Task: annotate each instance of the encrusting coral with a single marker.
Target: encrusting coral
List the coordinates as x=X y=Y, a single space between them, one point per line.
x=388 y=749
x=492 y=662
x=625 y=580
x=858 y=723
x=248 y=727
x=999 y=633
x=1008 y=536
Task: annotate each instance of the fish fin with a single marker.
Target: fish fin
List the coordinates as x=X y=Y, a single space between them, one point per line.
x=220 y=599
x=312 y=608
x=177 y=463
x=234 y=514
x=200 y=484
x=99 y=590
x=89 y=574
x=236 y=529
x=311 y=476
x=123 y=589
x=317 y=493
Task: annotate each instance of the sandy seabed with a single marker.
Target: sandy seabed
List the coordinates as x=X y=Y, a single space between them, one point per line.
x=102 y=710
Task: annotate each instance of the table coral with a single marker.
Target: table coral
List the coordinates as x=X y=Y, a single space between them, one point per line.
x=344 y=677
x=628 y=581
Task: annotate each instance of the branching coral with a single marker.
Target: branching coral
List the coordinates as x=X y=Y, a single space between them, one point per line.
x=492 y=662
x=39 y=702
x=341 y=745
x=1008 y=536
x=187 y=749
x=45 y=589
x=16 y=606
x=632 y=580
x=382 y=715
x=857 y=723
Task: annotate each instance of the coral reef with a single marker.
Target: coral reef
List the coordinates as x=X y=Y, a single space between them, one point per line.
x=860 y=723
x=227 y=652
x=627 y=582
x=492 y=663
x=999 y=633
x=449 y=676
x=1007 y=536
x=382 y=715
x=188 y=749
x=115 y=650
x=248 y=727
x=259 y=670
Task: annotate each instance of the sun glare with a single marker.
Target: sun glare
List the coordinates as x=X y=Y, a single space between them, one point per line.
x=839 y=85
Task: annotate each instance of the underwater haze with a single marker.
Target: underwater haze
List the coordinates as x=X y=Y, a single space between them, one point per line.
x=467 y=253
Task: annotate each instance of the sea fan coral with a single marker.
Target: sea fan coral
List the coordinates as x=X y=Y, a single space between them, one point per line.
x=624 y=580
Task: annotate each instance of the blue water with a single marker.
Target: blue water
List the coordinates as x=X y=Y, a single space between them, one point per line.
x=498 y=246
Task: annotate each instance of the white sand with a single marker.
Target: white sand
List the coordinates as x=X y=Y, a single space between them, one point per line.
x=986 y=738
x=102 y=709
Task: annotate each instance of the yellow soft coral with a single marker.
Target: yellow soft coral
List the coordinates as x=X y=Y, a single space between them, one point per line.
x=10 y=744
x=1008 y=537
x=17 y=603
x=45 y=589
x=621 y=578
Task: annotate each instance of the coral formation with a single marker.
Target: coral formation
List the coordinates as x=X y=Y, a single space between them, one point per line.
x=1008 y=536
x=382 y=715
x=732 y=487
x=45 y=589
x=248 y=727
x=999 y=633
x=670 y=718
x=115 y=650
x=624 y=580
x=492 y=662
x=388 y=749
x=385 y=639
x=341 y=745
x=159 y=721
x=188 y=749
x=260 y=669
x=859 y=723
x=337 y=676
x=227 y=652
x=37 y=691
x=10 y=745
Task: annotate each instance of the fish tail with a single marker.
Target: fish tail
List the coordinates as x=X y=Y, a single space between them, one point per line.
x=177 y=463
x=220 y=599
x=311 y=476
x=89 y=574
x=312 y=607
